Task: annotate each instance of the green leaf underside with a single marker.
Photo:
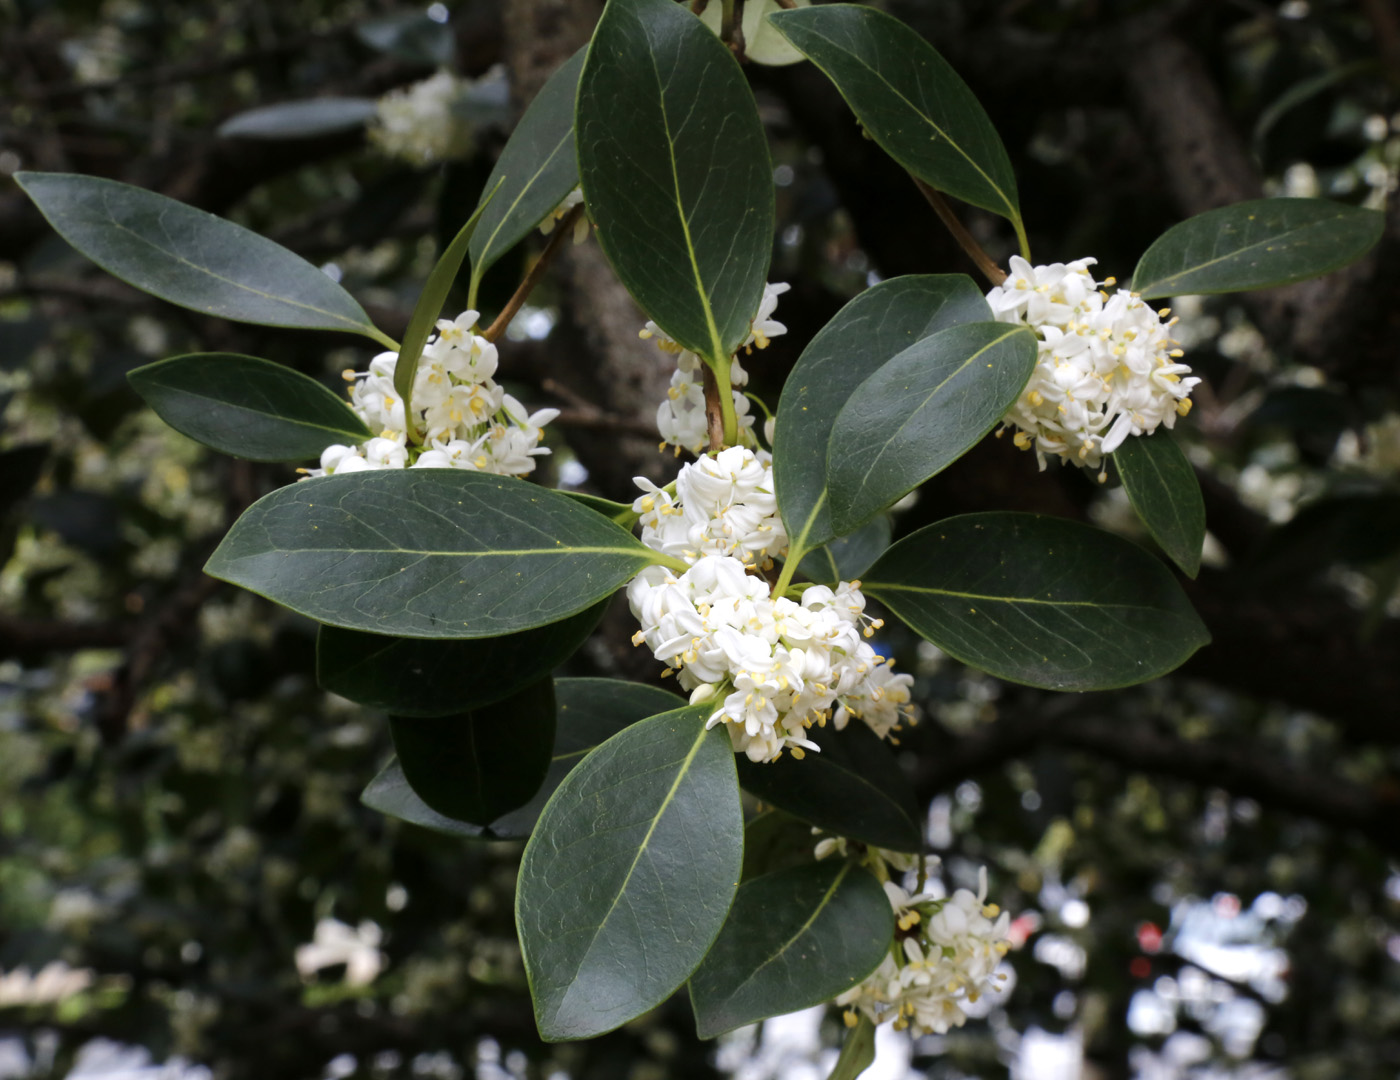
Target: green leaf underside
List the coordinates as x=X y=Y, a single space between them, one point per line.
x=476 y=766
x=922 y=411
x=1039 y=600
x=1256 y=245
x=794 y=938
x=431 y=553
x=590 y=711
x=191 y=258
x=1164 y=491
x=414 y=677
x=247 y=407
x=300 y=119
x=909 y=99
x=878 y=324
x=629 y=874
x=676 y=172
x=847 y=557
x=538 y=167
x=430 y=301
x=853 y=788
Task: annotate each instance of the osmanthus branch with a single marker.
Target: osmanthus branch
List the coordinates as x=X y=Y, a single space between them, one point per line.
x=562 y=231
x=984 y=262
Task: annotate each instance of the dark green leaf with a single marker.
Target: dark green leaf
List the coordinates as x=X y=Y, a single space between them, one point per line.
x=1162 y=486
x=191 y=258
x=793 y=939
x=247 y=407
x=676 y=172
x=413 y=677
x=300 y=119
x=477 y=765
x=590 y=712
x=1039 y=600
x=857 y=1052
x=853 y=788
x=536 y=170
x=430 y=301
x=775 y=840
x=877 y=325
x=922 y=411
x=433 y=553
x=621 y=513
x=910 y=101
x=1256 y=245
x=629 y=874
x=847 y=557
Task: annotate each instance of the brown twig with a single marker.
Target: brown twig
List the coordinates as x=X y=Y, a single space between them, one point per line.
x=562 y=231
x=788 y=5
x=993 y=273
x=714 y=415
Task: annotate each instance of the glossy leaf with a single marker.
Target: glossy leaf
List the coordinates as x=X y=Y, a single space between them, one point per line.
x=1256 y=245
x=629 y=874
x=477 y=765
x=247 y=407
x=590 y=711
x=1164 y=491
x=920 y=412
x=675 y=169
x=853 y=788
x=794 y=938
x=847 y=557
x=870 y=330
x=909 y=99
x=413 y=677
x=300 y=119
x=536 y=170
x=1039 y=600
x=430 y=301
x=191 y=258
x=433 y=553
x=775 y=840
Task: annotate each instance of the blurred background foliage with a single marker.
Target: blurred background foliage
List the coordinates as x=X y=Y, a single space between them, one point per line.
x=1206 y=869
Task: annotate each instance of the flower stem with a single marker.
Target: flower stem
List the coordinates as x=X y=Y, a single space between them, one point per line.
x=719 y=407
x=564 y=229
x=989 y=268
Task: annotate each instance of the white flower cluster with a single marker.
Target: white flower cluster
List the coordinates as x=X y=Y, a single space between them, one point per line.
x=1108 y=367
x=681 y=417
x=468 y=422
x=423 y=123
x=572 y=199
x=774 y=666
x=945 y=952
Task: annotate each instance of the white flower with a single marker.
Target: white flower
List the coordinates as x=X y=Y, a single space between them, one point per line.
x=572 y=199
x=1107 y=368
x=774 y=667
x=55 y=982
x=334 y=942
x=422 y=123
x=466 y=419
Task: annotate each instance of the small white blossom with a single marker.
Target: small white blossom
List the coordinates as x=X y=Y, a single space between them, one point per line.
x=423 y=123
x=572 y=199
x=1107 y=368
x=467 y=420
x=334 y=942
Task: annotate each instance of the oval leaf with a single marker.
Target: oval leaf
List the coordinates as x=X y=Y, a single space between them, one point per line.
x=247 y=407
x=191 y=258
x=921 y=412
x=910 y=100
x=1039 y=600
x=1256 y=245
x=433 y=553
x=300 y=119
x=676 y=173
x=629 y=874
x=853 y=788
x=877 y=325
x=590 y=711
x=413 y=677
x=536 y=170
x=847 y=557
x=793 y=939
x=1164 y=491
x=475 y=766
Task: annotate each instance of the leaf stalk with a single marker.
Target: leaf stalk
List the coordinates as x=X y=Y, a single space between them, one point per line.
x=990 y=270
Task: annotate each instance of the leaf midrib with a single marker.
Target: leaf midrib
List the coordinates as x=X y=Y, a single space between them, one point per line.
x=454 y=554
x=874 y=587
x=478 y=267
